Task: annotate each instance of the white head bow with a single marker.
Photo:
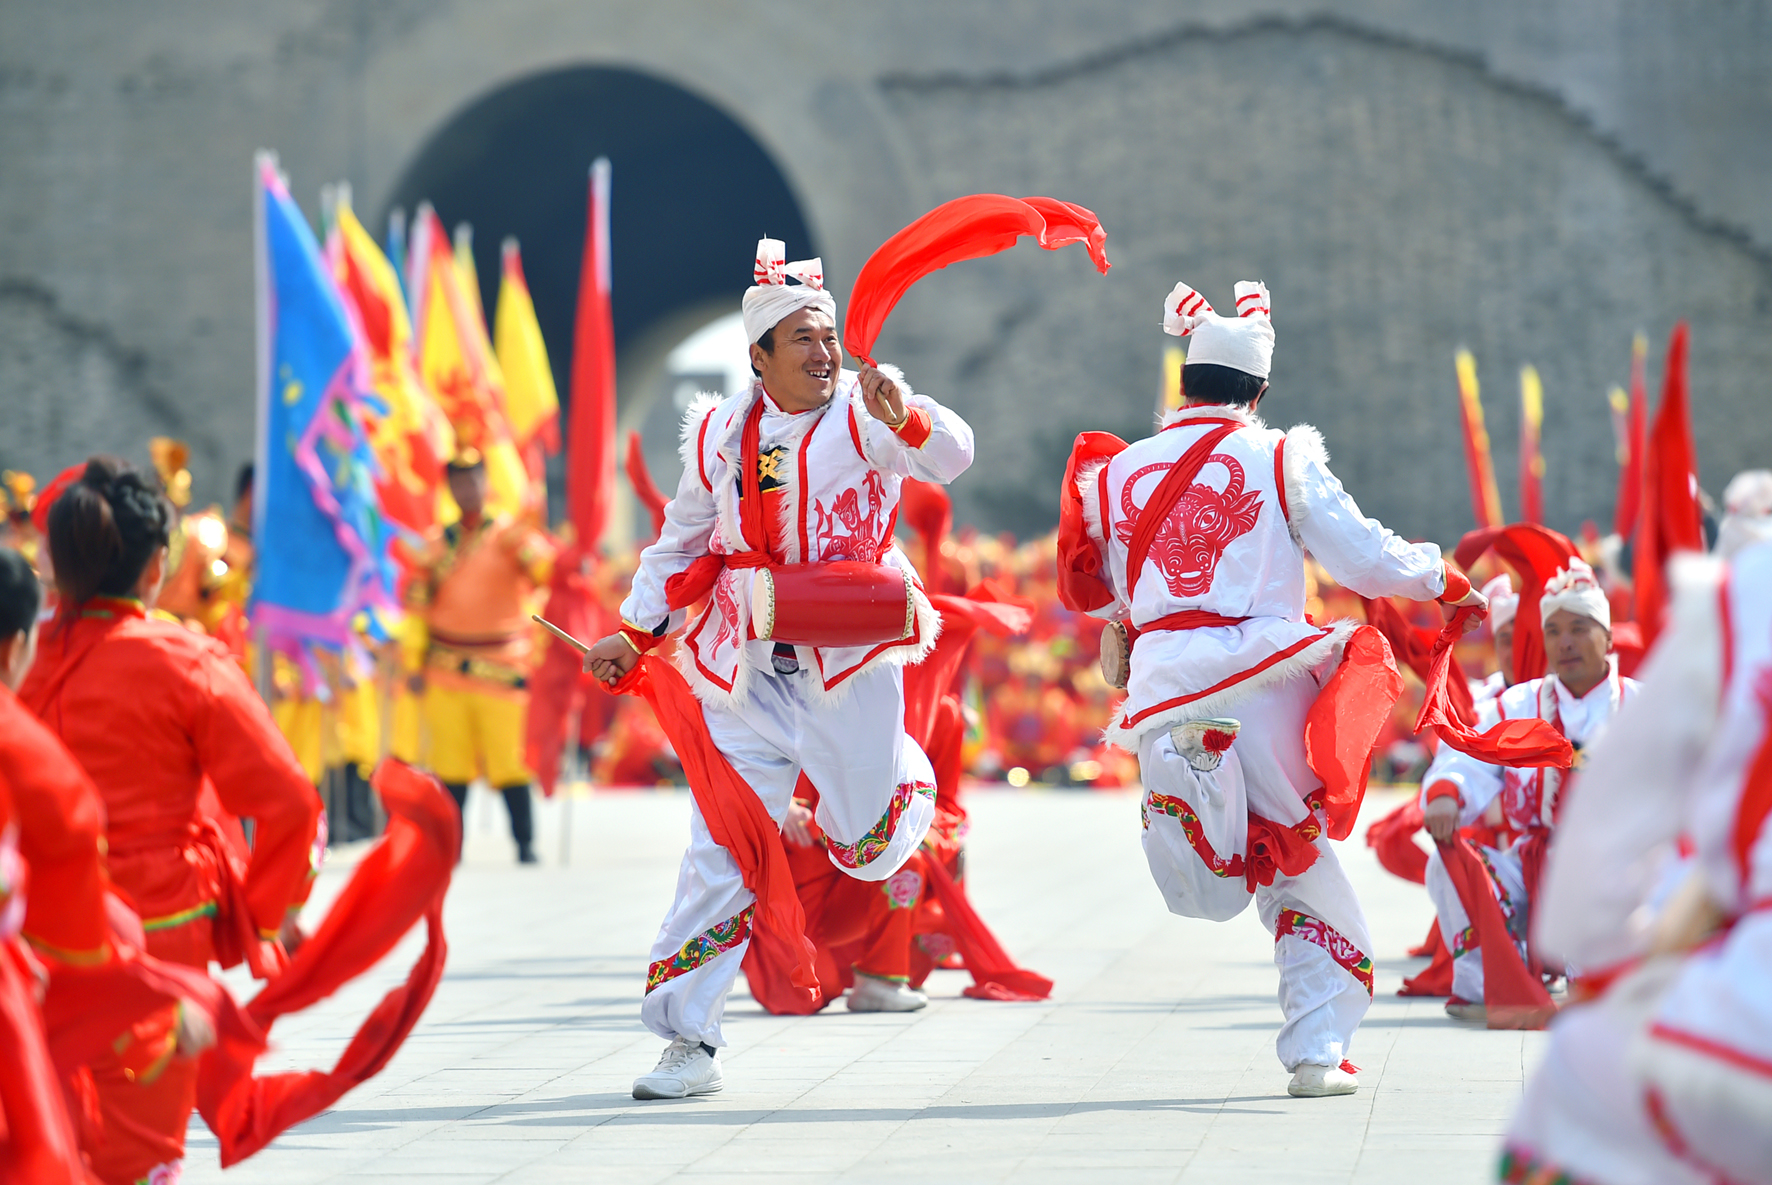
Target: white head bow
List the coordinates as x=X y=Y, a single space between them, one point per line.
x=772 y=298
x=1244 y=342
x=1504 y=602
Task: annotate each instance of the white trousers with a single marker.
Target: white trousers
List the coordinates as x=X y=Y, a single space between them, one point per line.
x=876 y=800
x=1195 y=823
x=1507 y=881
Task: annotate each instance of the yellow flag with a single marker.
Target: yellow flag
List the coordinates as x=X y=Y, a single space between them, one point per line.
x=531 y=402
x=456 y=363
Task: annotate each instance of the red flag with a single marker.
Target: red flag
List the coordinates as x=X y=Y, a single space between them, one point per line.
x=645 y=488
x=1670 y=519
x=1630 y=445
x=965 y=228
x=590 y=449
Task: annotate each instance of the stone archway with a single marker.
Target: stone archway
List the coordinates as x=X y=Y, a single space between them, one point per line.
x=692 y=191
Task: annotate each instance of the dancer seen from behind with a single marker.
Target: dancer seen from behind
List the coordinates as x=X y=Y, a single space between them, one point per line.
x=803 y=467
x=1193 y=541
x=1579 y=697
x=157 y=715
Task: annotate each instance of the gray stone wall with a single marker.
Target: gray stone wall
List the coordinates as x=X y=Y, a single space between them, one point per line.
x=1536 y=180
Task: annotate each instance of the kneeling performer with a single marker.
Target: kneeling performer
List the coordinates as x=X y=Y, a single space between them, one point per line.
x=1192 y=542
x=780 y=483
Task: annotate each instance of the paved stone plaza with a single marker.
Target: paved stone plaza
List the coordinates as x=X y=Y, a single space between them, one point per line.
x=1153 y=1061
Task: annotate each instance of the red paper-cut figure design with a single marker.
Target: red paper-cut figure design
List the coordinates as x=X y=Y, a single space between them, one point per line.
x=844 y=533
x=1204 y=522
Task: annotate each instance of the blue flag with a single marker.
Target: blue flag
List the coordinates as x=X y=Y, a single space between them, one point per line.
x=319 y=538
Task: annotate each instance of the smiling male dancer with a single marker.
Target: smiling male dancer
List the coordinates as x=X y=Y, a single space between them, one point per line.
x=827 y=449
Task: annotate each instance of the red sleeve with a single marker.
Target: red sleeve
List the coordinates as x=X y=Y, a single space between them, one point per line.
x=60 y=821
x=1458 y=586
x=257 y=777
x=916 y=427
x=1442 y=790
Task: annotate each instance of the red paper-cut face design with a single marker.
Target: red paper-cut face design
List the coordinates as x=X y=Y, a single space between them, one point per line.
x=1204 y=522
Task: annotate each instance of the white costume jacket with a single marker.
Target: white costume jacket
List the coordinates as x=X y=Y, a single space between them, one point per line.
x=1234 y=546
x=837 y=471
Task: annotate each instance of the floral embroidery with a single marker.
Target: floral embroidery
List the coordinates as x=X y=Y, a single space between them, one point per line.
x=1315 y=930
x=1196 y=834
x=169 y=1173
x=902 y=888
x=703 y=948
x=1464 y=942
x=868 y=848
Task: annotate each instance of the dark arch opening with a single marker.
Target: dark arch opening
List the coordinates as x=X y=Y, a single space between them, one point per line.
x=691 y=193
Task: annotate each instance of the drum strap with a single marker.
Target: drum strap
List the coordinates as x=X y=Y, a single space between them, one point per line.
x=1175 y=483
x=697 y=581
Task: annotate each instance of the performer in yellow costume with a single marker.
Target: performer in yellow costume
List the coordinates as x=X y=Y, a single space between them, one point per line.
x=468 y=647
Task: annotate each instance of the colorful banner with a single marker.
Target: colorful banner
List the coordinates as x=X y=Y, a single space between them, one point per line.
x=1485 y=496
x=412 y=439
x=320 y=539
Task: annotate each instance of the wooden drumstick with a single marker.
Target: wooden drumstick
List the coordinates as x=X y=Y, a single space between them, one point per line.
x=560 y=633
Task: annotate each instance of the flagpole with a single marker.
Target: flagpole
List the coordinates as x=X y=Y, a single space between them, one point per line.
x=263 y=163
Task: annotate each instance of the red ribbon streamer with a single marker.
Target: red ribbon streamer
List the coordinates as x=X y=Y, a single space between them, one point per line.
x=1519 y=742
x=965 y=228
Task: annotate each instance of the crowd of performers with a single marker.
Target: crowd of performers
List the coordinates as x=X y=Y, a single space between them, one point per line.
x=1214 y=620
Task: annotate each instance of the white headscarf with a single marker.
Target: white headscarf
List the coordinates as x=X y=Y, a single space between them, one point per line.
x=1575 y=589
x=1747 y=511
x=1504 y=602
x=772 y=298
x=1244 y=342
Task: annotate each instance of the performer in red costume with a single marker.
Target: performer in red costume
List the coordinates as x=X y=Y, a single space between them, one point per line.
x=153 y=712
x=803 y=468
x=1194 y=538
x=1579 y=697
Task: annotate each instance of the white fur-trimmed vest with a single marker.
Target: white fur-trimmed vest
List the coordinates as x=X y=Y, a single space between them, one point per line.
x=1229 y=548
x=836 y=503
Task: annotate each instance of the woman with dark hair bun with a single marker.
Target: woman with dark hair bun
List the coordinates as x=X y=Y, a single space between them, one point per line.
x=151 y=711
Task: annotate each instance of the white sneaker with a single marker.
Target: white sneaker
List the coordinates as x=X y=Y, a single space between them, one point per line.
x=1314 y=1082
x=873 y=994
x=684 y=1069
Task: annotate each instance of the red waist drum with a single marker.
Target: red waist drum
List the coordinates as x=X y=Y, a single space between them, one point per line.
x=846 y=603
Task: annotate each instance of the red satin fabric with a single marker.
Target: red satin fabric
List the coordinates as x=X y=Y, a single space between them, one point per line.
x=1513 y=994
x=37 y=1140
x=403 y=878
x=1537 y=554
x=1519 y=742
x=1083 y=586
x=1413 y=646
x=1671 y=519
x=926 y=509
x=558 y=686
x=1392 y=838
x=1436 y=978
x=1342 y=727
x=737 y=821
x=965 y=228
x=1275 y=848
x=995 y=976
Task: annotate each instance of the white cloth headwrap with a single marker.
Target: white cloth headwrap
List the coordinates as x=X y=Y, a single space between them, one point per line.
x=772 y=298
x=1747 y=511
x=1244 y=342
x=1575 y=589
x=1504 y=602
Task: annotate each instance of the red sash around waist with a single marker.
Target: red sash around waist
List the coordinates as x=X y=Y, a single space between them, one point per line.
x=1186 y=619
